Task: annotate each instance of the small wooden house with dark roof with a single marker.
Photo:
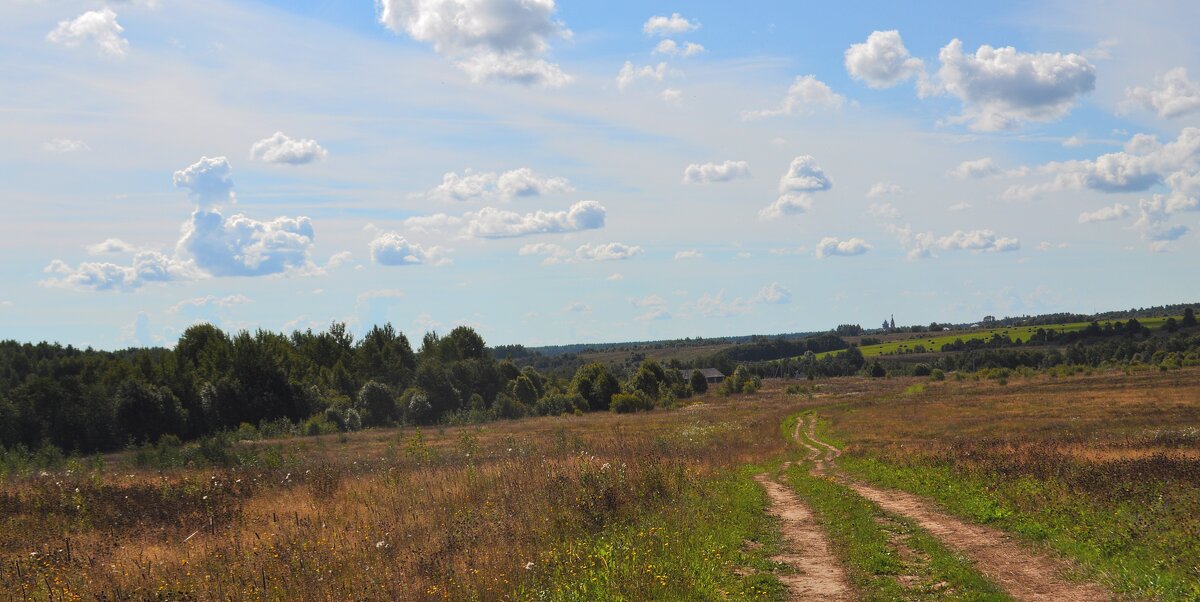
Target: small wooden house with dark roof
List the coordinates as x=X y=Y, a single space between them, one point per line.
x=712 y=375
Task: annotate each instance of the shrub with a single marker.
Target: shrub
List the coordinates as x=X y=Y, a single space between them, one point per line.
x=877 y=370
x=626 y=403
x=698 y=382
x=937 y=374
x=922 y=370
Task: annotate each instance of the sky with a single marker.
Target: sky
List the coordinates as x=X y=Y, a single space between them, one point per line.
x=570 y=172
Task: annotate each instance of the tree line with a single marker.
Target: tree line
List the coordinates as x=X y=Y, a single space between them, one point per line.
x=84 y=400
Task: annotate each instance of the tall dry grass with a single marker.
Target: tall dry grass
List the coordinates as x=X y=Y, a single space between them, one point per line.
x=459 y=513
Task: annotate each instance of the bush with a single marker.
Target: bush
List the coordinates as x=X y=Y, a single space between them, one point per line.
x=626 y=403
x=937 y=374
x=922 y=370
x=698 y=382
x=741 y=381
x=877 y=370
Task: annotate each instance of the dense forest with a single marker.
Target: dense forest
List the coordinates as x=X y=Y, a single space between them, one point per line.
x=87 y=400
x=315 y=382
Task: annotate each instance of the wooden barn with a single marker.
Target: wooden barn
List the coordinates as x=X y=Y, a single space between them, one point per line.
x=712 y=375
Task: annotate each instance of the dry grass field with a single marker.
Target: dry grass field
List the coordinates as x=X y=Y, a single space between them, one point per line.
x=1101 y=469
x=524 y=510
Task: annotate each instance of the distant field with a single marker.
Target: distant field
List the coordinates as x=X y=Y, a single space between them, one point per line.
x=934 y=343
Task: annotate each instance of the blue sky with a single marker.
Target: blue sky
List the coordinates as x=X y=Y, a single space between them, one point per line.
x=573 y=172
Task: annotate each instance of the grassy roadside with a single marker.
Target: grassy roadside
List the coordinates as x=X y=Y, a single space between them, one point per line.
x=1138 y=547
x=887 y=557
x=695 y=550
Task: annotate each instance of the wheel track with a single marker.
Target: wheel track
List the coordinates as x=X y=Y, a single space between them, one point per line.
x=1023 y=574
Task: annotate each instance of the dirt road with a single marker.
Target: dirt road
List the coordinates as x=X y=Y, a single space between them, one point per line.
x=1022 y=573
x=819 y=574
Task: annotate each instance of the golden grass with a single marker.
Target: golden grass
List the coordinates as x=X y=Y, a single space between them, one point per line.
x=403 y=514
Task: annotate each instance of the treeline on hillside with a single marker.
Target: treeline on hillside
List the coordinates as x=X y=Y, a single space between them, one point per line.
x=1174 y=345
x=88 y=401
x=764 y=349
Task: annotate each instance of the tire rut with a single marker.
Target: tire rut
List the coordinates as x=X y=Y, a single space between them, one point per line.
x=1023 y=574
x=819 y=574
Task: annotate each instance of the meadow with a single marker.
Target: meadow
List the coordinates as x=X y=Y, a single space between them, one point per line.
x=1103 y=469
x=1100 y=467
x=932 y=342
x=659 y=505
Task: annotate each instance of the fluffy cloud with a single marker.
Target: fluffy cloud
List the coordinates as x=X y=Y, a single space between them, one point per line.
x=787 y=204
x=628 y=75
x=1000 y=88
x=977 y=240
x=773 y=293
x=491 y=186
x=1172 y=95
x=147 y=267
x=707 y=173
x=671 y=48
x=97 y=26
x=882 y=61
x=241 y=246
x=555 y=254
x=390 y=248
x=976 y=169
x=665 y=26
x=490 y=222
x=717 y=305
x=804 y=175
x=806 y=96
x=921 y=245
x=279 y=148
x=883 y=189
x=488 y=39
x=830 y=246
x=110 y=246
x=1145 y=162
x=207 y=181
x=1105 y=214
x=688 y=254
x=65 y=145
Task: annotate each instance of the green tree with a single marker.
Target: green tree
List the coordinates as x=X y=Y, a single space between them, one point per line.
x=376 y=401
x=596 y=384
x=1189 y=318
x=146 y=412
x=698 y=382
x=524 y=390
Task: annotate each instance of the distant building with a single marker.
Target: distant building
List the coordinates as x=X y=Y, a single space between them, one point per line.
x=712 y=375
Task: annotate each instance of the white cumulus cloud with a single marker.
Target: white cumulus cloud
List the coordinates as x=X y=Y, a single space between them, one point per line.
x=97 y=26
x=1105 y=214
x=882 y=61
x=1001 y=88
x=806 y=95
x=773 y=293
x=390 y=248
x=490 y=222
x=488 y=39
x=492 y=186
x=672 y=48
x=110 y=246
x=147 y=267
x=830 y=246
x=207 y=181
x=1172 y=95
x=975 y=169
x=804 y=175
x=629 y=74
x=688 y=254
x=665 y=26
x=555 y=254
x=884 y=189
x=279 y=148
x=242 y=246
x=707 y=173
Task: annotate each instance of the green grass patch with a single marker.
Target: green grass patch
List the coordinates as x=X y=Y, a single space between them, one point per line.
x=863 y=536
x=1146 y=548
x=933 y=342
x=714 y=543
